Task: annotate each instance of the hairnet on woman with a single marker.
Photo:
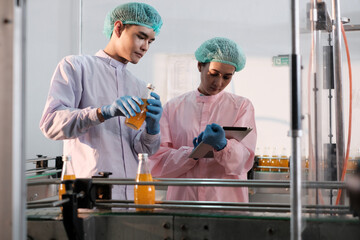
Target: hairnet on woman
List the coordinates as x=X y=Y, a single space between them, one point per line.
x=198 y=116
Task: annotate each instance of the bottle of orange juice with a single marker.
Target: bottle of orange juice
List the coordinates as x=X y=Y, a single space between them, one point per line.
x=264 y=161
x=284 y=161
x=144 y=194
x=67 y=173
x=275 y=160
x=136 y=121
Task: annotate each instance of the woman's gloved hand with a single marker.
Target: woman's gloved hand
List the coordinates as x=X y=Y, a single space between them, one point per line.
x=153 y=114
x=214 y=135
x=197 y=140
x=123 y=106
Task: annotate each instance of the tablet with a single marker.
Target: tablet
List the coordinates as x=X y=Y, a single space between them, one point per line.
x=204 y=150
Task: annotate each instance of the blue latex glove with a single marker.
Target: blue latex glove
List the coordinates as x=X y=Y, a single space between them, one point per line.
x=123 y=106
x=197 y=141
x=214 y=135
x=153 y=114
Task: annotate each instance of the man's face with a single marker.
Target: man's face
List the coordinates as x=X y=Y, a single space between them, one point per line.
x=134 y=42
x=215 y=77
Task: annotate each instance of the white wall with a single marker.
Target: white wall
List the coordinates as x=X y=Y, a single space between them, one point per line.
x=262 y=28
x=51 y=35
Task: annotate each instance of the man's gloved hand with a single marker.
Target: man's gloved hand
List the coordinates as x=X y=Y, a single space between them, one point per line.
x=197 y=140
x=214 y=135
x=153 y=114
x=123 y=106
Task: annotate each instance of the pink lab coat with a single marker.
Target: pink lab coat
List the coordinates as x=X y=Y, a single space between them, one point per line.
x=184 y=118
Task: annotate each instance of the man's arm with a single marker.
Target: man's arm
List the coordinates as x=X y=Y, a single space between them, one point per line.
x=61 y=118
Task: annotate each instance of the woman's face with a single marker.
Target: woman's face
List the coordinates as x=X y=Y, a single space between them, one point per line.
x=215 y=77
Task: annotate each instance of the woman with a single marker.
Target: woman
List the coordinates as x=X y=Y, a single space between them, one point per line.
x=207 y=109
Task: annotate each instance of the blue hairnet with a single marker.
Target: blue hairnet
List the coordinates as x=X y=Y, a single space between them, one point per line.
x=133 y=13
x=221 y=50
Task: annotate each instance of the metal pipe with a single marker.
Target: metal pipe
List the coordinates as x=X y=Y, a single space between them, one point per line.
x=324 y=184
x=243 y=183
x=43 y=182
x=47 y=170
x=251 y=204
x=295 y=191
x=54 y=203
x=200 y=207
x=296 y=129
x=352 y=27
x=203 y=207
x=223 y=208
x=318 y=122
x=205 y=182
x=39 y=159
x=18 y=182
x=47 y=204
x=339 y=113
x=315 y=38
x=278 y=205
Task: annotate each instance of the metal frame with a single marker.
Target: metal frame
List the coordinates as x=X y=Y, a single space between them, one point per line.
x=296 y=127
x=202 y=182
x=6 y=95
x=18 y=147
x=339 y=113
x=204 y=205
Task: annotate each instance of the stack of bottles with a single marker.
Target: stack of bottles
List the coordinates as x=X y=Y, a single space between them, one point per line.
x=273 y=162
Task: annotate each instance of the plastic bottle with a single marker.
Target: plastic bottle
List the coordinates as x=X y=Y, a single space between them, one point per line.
x=136 y=121
x=144 y=194
x=67 y=173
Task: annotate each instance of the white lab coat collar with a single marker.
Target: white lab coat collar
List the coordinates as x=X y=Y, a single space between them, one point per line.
x=113 y=62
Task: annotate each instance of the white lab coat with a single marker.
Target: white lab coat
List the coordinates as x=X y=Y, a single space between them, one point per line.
x=79 y=86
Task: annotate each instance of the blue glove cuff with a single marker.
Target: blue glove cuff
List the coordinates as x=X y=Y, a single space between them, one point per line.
x=105 y=111
x=221 y=145
x=153 y=131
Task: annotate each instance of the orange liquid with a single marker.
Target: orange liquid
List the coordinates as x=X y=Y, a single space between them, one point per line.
x=144 y=194
x=136 y=121
x=274 y=162
x=284 y=162
x=264 y=162
x=351 y=165
x=62 y=186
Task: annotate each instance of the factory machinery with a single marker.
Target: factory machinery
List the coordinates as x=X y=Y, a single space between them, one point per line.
x=87 y=211
x=314 y=194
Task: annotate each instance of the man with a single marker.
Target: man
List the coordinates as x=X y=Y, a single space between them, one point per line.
x=90 y=96
x=202 y=113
